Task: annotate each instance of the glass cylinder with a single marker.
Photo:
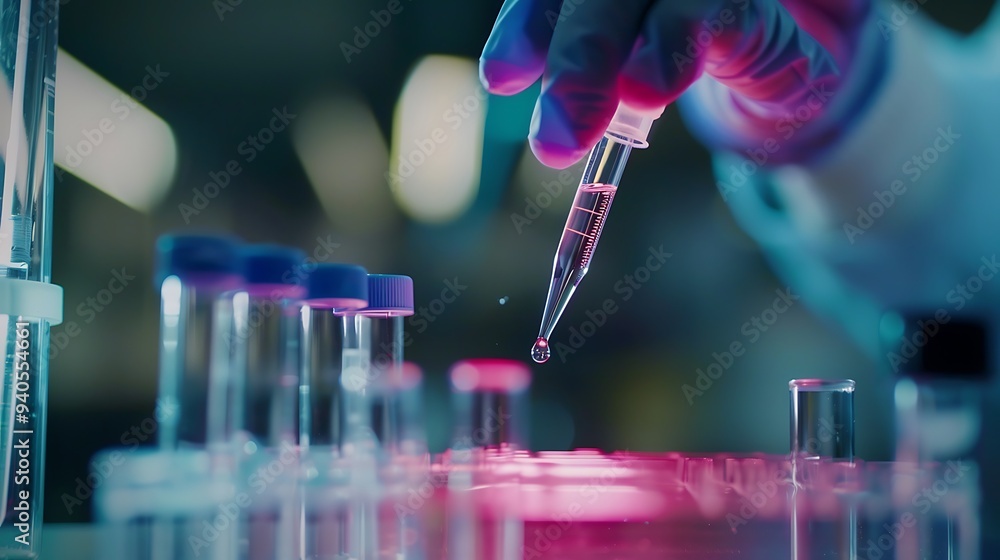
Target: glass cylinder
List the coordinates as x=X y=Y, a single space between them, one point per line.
x=822 y=418
x=29 y=303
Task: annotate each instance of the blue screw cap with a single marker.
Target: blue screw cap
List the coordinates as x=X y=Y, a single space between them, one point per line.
x=273 y=265
x=338 y=286
x=197 y=257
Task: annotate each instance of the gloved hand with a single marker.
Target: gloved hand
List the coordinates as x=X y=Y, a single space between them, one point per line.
x=765 y=61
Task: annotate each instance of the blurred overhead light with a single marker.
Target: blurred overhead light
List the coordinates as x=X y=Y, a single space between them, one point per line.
x=107 y=138
x=345 y=156
x=437 y=139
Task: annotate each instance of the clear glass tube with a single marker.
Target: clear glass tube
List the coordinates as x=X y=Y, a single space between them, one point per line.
x=489 y=405
x=355 y=380
x=359 y=445
x=271 y=386
x=270 y=525
x=822 y=418
x=937 y=420
x=27 y=102
x=200 y=346
x=320 y=393
x=582 y=232
x=397 y=411
x=822 y=431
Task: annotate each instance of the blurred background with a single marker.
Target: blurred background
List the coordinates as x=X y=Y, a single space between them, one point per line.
x=361 y=134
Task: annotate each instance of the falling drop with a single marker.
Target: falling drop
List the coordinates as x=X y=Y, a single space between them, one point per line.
x=540 y=351
x=503 y=300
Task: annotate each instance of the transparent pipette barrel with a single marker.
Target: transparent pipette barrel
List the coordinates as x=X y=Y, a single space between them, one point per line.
x=268 y=400
x=332 y=289
x=822 y=431
x=628 y=129
x=489 y=406
x=390 y=300
x=581 y=233
x=29 y=303
x=201 y=303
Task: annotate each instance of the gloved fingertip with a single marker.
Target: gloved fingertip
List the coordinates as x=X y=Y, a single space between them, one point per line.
x=553 y=138
x=555 y=155
x=504 y=78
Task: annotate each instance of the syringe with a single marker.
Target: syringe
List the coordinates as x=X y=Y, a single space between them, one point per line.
x=628 y=129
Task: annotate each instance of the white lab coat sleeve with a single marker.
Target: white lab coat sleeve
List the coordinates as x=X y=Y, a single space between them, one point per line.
x=904 y=209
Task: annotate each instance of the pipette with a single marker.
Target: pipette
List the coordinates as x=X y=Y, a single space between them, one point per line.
x=628 y=129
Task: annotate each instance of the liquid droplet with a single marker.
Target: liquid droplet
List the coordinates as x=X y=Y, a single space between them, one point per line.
x=540 y=351
x=503 y=300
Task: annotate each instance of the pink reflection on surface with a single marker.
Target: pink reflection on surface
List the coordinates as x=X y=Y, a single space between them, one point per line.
x=490 y=375
x=587 y=505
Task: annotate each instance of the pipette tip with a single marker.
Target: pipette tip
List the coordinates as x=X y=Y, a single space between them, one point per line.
x=540 y=352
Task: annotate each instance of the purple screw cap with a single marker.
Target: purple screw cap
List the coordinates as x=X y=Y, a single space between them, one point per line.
x=389 y=295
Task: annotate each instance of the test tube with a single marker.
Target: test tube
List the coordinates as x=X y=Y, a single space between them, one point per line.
x=390 y=300
x=332 y=291
x=628 y=129
x=201 y=302
x=329 y=489
x=268 y=397
x=270 y=385
x=822 y=431
x=489 y=404
x=398 y=412
x=489 y=408
x=29 y=303
x=822 y=419
x=405 y=466
x=941 y=364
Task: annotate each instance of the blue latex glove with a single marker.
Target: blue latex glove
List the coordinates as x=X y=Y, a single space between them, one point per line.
x=766 y=58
